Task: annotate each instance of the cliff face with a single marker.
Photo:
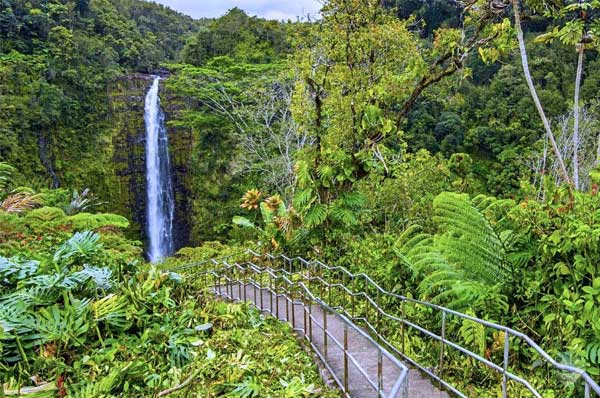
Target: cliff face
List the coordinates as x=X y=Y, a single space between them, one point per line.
x=182 y=142
x=127 y=129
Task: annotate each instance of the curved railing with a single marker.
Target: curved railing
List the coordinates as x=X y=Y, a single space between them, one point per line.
x=338 y=284
x=228 y=278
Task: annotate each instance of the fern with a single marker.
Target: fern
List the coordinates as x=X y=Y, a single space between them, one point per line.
x=6 y=171
x=103 y=387
x=87 y=221
x=112 y=309
x=64 y=325
x=316 y=215
x=468 y=240
x=473 y=334
x=462 y=265
x=303 y=198
x=45 y=219
x=20 y=202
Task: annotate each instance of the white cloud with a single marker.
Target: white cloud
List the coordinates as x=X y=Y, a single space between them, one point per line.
x=271 y=9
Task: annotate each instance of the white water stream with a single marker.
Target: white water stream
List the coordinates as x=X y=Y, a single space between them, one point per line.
x=160 y=205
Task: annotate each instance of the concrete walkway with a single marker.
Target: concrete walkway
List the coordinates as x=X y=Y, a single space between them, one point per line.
x=370 y=373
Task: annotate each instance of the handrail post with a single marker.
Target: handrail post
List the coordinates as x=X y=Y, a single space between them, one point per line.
x=229 y=287
x=287 y=310
x=276 y=299
x=310 y=317
x=309 y=276
x=245 y=280
x=345 y=358
x=322 y=276
x=442 y=345
x=304 y=311
x=505 y=364
x=253 y=279
x=324 y=331
x=379 y=374
x=402 y=326
x=240 y=283
x=291 y=291
x=353 y=299
x=260 y=284
x=271 y=293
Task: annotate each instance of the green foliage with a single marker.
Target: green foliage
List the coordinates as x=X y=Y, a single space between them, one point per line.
x=279 y=227
x=135 y=331
x=84 y=221
x=465 y=264
x=6 y=171
x=243 y=38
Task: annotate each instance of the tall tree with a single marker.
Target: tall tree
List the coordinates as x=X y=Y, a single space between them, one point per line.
x=534 y=95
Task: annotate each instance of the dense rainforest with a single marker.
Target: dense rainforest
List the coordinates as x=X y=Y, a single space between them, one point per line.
x=450 y=150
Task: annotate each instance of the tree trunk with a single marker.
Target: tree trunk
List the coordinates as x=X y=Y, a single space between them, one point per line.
x=536 y=99
x=581 y=51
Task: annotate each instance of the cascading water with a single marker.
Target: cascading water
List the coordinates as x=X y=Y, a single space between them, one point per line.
x=160 y=205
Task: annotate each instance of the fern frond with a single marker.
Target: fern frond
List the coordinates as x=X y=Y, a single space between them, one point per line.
x=468 y=240
x=316 y=215
x=6 y=171
x=303 y=198
x=87 y=221
x=14 y=269
x=343 y=215
x=20 y=202
x=113 y=310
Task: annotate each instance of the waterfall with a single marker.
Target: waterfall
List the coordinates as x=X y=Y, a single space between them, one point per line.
x=160 y=205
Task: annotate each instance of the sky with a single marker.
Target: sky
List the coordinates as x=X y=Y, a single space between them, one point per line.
x=270 y=9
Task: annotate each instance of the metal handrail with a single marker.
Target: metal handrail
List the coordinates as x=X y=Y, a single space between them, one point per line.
x=590 y=384
x=307 y=299
x=308 y=266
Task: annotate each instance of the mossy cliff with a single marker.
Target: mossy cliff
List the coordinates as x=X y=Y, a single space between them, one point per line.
x=127 y=129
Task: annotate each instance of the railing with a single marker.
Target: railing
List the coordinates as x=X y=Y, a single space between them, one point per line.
x=362 y=301
x=233 y=281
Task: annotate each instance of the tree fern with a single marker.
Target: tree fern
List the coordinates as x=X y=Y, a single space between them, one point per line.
x=463 y=263
x=468 y=240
